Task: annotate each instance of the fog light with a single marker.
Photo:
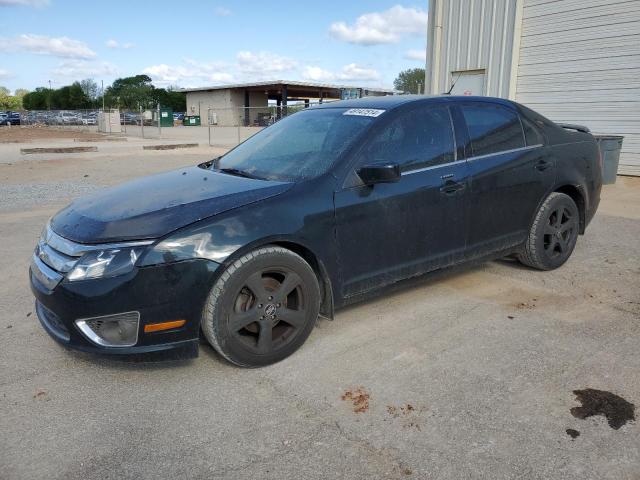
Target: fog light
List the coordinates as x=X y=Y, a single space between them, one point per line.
x=119 y=330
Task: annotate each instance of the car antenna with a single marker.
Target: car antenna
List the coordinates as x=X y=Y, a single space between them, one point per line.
x=454 y=83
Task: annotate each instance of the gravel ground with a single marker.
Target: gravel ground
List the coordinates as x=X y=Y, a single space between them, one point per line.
x=26 y=195
x=469 y=374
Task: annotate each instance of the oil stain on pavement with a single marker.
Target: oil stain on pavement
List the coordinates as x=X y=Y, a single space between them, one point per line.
x=598 y=402
x=573 y=433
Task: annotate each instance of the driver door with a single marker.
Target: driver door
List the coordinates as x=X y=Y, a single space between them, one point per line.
x=390 y=231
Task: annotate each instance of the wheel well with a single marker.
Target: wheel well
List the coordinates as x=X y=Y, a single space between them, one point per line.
x=576 y=195
x=326 y=292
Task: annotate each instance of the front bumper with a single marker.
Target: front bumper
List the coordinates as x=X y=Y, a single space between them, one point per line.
x=160 y=293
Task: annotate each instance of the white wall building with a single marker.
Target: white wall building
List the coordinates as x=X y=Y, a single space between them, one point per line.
x=574 y=61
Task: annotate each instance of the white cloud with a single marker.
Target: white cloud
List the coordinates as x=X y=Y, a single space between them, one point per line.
x=418 y=55
x=111 y=43
x=77 y=69
x=317 y=74
x=263 y=63
x=24 y=3
x=222 y=12
x=179 y=75
x=350 y=72
x=356 y=72
x=248 y=66
x=4 y=74
x=382 y=27
x=42 y=45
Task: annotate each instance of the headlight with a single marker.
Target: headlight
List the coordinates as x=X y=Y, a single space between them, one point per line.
x=197 y=245
x=105 y=263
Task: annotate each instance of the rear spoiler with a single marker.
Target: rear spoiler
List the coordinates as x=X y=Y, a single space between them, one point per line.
x=571 y=126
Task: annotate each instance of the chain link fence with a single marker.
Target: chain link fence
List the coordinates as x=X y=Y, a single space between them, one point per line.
x=143 y=122
x=219 y=126
x=70 y=119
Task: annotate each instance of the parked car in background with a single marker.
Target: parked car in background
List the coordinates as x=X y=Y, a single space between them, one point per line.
x=129 y=118
x=88 y=119
x=67 y=118
x=14 y=118
x=310 y=214
x=9 y=118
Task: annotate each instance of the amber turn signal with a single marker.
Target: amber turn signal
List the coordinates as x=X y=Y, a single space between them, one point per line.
x=157 y=327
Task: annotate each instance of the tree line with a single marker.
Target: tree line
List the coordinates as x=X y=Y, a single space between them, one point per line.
x=129 y=93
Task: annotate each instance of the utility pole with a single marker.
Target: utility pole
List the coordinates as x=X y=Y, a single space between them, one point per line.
x=102 y=81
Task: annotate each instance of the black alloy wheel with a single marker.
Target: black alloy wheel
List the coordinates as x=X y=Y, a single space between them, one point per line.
x=268 y=310
x=560 y=232
x=554 y=233
x=262 y=308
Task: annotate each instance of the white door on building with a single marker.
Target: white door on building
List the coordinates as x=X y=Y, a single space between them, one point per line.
x=470 y=82
x=580 y=63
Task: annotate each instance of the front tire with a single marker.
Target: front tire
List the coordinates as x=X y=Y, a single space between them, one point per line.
x=553 y=235
x=262 y=308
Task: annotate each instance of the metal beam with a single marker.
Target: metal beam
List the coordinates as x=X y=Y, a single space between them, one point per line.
x=247 y=120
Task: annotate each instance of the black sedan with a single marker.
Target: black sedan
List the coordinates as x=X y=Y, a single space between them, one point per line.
x=313 y=212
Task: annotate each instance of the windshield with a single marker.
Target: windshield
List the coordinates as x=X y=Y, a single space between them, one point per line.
x=298 y=147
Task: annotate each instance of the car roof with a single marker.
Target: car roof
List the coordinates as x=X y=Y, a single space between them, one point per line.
x=392 y=101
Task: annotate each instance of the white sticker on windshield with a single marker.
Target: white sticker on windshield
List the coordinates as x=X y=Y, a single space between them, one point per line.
x=364 y=112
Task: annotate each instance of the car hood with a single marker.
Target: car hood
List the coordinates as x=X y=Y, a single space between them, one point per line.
x=153 y=206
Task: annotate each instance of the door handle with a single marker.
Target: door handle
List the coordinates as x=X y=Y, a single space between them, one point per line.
x=450 y=187
x=542 y=165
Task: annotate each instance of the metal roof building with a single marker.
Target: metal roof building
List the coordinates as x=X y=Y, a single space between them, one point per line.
x=574 y=61
x=247 y=103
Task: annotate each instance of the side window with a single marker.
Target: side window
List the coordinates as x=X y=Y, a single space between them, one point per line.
x=416 y=139
x=531 y=134
x=492 y=128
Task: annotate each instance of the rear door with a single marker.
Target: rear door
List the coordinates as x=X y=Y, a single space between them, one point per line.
x=390 y=231
x=509 y=176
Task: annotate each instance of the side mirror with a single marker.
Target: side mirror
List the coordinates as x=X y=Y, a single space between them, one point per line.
x=379 y=173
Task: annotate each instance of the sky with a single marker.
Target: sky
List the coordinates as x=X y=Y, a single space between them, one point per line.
x=197 y=43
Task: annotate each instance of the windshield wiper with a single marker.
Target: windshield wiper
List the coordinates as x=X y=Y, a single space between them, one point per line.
x=238 y=173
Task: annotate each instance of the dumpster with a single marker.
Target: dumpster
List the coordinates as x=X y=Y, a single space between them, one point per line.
x=166 y=117
x=191 y=121
x=610 y=146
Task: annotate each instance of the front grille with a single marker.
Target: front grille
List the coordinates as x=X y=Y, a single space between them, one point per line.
x=52 y=321
x=56 y=252
x=56 y=260
x=61 y=254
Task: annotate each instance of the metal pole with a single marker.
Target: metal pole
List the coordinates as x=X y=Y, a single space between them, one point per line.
x=208 y=123
x=49 y=95
x=102 y=81
x=141 y=121
x=159 y=132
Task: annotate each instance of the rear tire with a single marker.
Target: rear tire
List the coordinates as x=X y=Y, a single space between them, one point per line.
x=553 y=235
x=262 y=308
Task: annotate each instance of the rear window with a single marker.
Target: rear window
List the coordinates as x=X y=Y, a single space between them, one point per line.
x=492 y=128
